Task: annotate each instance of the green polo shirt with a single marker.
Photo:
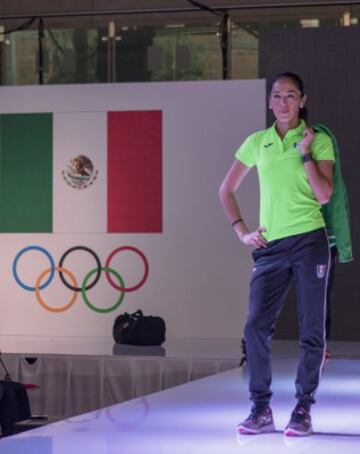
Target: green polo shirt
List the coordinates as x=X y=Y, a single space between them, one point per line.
x=288 y=205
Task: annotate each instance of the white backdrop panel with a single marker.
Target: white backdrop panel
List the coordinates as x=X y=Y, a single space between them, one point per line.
x=199 y=272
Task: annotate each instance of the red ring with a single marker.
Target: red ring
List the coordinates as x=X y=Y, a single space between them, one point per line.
x=143 y=258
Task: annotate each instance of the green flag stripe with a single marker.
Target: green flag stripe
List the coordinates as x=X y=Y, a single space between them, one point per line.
x=26 y=173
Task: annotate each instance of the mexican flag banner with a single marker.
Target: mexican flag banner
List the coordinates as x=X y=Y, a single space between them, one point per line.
x=81 y=172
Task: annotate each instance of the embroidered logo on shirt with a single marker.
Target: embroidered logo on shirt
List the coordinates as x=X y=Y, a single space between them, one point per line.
x=320 y=271
x=267 y=145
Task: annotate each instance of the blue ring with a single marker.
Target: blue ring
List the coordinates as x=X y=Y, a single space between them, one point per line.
x=52 y=267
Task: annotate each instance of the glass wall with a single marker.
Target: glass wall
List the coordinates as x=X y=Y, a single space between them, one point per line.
x=111 y=54
x=114 y=49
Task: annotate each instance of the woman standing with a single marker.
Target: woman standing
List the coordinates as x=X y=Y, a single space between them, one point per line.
x=295 y=174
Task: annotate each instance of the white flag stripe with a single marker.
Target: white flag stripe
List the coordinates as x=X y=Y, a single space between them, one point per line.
x=80 y=210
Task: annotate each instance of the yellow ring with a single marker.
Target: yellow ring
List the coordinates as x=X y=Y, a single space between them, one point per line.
x=40 y=300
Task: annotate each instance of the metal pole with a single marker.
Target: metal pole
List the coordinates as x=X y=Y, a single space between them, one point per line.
x=111 y=52
x=41 y=36
x=225 y=36
x=2 y=55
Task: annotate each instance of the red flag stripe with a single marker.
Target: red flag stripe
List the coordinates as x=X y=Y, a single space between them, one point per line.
x=135 y=172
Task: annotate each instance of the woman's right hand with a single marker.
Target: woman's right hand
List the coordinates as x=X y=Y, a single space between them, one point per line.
x=254 y=238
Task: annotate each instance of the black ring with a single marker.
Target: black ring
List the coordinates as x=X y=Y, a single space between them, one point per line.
x=98 y=263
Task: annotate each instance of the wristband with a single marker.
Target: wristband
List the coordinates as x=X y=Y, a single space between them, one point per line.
x=237 y=221
x=307 y=157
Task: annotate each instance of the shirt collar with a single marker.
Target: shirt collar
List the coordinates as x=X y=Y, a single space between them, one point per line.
x=292 y=132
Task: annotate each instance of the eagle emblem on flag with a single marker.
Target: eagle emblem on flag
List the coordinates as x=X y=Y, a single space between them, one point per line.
x=80 y=172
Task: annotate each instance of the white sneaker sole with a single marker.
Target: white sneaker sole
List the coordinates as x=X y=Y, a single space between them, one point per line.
x=242 y=430
x=296 y=433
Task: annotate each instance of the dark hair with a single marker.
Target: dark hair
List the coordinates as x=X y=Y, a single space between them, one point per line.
x=297 y=80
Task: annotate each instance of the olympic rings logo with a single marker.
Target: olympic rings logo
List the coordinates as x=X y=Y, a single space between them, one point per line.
x=93 y=274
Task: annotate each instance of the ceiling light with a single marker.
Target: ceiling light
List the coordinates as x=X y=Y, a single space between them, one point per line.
x=310 y=23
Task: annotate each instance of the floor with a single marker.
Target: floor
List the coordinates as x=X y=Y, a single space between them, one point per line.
x=200 y=417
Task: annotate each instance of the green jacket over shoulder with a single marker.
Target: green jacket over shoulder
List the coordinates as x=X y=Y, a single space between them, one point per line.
x=336 y=212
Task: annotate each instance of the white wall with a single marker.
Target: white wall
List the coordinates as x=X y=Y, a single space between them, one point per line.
x=199 y=271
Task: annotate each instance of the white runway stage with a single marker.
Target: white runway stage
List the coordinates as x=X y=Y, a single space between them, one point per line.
x=78 y=375
x=200 y=417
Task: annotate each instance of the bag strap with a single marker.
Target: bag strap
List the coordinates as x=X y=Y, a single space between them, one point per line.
x=137 y=314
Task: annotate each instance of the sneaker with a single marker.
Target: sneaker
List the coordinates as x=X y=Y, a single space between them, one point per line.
x=300 y=422
x=260 y=420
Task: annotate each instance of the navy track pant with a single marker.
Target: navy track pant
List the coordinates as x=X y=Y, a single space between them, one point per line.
x=303 y=258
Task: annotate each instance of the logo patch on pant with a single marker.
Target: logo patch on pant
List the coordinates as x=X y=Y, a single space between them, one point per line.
x=320 y=271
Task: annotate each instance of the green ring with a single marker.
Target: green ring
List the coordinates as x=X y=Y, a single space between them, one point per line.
x=92 y=306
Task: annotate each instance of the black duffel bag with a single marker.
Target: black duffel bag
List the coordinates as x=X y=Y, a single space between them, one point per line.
x=138 y=329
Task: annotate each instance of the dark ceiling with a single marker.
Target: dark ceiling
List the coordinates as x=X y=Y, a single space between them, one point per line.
x=162 y=12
